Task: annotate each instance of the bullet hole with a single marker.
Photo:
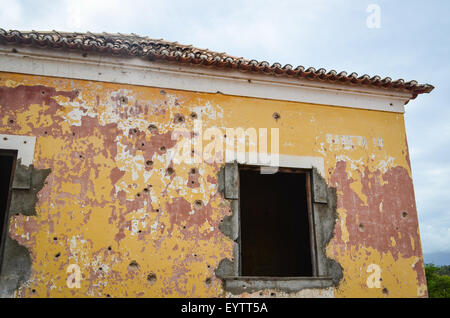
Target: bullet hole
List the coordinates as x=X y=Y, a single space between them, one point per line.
x=45 y=132
x=157 y=210
x=123 y=99
x=170 y=171
x=73 y=134
x=276 y=116
x=184 y=226
x=152 y=128
x=194 y=115
x=249 y=80
x=55 y=238
x=179 y=118
x=145 y=190
x=404 y=214
x=138 y=195
x=108 y=295
x=84 y=54
x=149 y=163
x=361 y=227
x=381 y=279
x=14 y=50
x=24 y=141
x=195 y=255
x=209 y=266
x=140 y=231
x=198 y=204
x=57 y=255
x=133 y=266
x=151 y=278
x=43 y=92
x=135 y=130
x=163 y=149
x=390 y=104
x=225 y=136
x=142 y=144
x=385 y=291
x=163 y=92
x=81 y=156
x=192 y=182
x=193 y=171
x=208 y=281
x=33 y=291
x=5 y=138
x=109 y=248
x=100 y=268
x=11 y=121
x=273 y=294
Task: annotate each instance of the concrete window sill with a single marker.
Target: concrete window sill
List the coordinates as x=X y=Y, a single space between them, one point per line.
x=249 y=284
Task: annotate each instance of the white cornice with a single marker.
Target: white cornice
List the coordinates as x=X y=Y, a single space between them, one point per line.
x=137 y=71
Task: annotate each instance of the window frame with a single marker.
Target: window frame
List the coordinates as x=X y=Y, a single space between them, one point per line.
x=4 y=231
x=312 y=236
x=326 y=272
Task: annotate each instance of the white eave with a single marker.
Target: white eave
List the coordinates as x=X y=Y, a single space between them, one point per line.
x=137 y=71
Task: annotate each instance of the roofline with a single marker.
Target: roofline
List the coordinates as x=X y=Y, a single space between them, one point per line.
x=172 y=75
x=160 y=50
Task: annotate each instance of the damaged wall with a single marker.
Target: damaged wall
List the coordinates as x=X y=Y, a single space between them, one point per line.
x=16 y=265
x=138 y=225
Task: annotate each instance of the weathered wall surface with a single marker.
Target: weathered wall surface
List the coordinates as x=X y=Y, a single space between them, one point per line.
x=138 y=225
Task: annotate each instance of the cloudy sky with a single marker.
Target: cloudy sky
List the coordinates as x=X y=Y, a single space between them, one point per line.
x=412 y=42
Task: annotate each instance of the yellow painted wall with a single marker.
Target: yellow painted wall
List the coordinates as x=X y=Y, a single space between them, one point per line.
x=106 y=208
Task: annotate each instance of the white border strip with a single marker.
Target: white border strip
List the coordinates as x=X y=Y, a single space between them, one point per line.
x=137 y=71
x=23 y=144
x=288 y=161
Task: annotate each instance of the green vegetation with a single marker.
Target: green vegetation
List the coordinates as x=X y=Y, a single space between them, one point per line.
x=438 y=280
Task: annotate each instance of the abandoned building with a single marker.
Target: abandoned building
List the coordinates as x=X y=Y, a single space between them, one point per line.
x=94 y=204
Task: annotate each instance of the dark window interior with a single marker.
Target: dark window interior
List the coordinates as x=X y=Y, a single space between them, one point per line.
x=275 y=234
x=7 y=164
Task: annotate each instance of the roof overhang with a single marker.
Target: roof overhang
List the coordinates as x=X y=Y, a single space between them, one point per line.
x=173 y=75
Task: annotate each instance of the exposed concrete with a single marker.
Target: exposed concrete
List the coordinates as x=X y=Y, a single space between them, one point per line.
x=23 y=201
x=22 y=176
x=325 y=216
x=320 y=193
x=16 y=266
x=239 y=285
x=225 y=268
x=228 y=177
x=231 y=181
x=276 y=293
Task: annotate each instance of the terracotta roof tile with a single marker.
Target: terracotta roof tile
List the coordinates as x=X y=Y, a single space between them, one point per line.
x=152 y=49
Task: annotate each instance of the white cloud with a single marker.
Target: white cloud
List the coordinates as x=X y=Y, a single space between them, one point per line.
x=11 y=17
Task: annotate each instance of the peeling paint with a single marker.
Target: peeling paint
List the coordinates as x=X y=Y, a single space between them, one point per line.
x=113 y=197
